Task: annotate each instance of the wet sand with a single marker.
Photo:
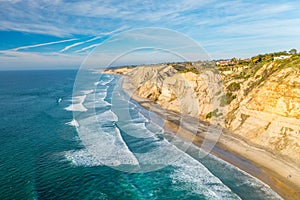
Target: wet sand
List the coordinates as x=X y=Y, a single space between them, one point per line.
x=281 y=175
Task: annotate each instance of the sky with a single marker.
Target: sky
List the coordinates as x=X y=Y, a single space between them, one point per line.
x=59 y=34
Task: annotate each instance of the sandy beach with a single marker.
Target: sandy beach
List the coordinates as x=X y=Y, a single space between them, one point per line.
x=282 y=175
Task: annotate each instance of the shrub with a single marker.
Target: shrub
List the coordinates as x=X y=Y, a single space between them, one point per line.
x=183 y=69
x=178 y=67
x=227 y=99
x=192 y=69
x=212 y=114
x=234 y=86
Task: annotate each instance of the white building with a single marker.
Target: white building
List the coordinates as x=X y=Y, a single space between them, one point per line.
x=281 y=57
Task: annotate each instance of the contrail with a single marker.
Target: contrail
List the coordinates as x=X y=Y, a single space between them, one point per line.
x=43 y=44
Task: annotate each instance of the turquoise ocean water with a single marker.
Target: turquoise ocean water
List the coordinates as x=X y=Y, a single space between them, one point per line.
x=46 y=154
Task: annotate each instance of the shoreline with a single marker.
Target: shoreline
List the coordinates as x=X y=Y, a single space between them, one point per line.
x=280 y=175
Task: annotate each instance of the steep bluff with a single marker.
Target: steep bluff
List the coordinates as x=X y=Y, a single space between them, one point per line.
x=259 y=101
x=269 y=115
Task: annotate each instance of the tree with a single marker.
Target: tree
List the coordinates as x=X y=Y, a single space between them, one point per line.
x=257 y=58
x=293 y=51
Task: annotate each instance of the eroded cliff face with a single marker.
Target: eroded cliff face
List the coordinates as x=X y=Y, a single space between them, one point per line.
x=188 y=93
x=270 y=114
x=264 y=108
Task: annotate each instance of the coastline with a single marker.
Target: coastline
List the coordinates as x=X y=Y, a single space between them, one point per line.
x=282 y=176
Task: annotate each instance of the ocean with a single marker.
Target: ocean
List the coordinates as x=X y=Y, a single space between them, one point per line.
x=92 y=141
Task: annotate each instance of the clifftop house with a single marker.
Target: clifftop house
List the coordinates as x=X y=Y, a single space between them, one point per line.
x=225 y=62
x=281 y=57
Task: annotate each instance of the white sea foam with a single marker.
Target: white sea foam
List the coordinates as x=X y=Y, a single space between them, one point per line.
x=103 y=146
x=101 y=103
x=77 y=104
x=99 y=99
x=137 y=130
x=76 y=107
x=78 y=99
x=103 y=88
x=96 y=101
x=97 y=104
x=101 y=95
x=107 y=116
x=104 y=82
x=103 y=142
x=73 y=123
x=193 y=176
x=85 y=92
x=188 y=174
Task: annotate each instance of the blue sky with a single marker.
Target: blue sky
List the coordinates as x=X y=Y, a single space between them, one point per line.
x=59 y=34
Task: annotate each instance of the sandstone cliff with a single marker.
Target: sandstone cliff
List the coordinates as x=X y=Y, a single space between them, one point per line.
x=256 y=99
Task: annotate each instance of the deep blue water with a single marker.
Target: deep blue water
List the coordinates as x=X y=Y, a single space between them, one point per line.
x=45 y=156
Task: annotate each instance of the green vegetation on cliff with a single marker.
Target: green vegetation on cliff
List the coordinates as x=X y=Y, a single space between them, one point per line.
x=257 y=69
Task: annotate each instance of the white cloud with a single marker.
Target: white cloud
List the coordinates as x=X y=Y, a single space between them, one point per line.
x=92 y=39
x=62 y=18
x=33 y=60
x=210 y=22
x=42 y=44
x=88 y=47
x=87 y=17
x=70 y=46
x=41 y=28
